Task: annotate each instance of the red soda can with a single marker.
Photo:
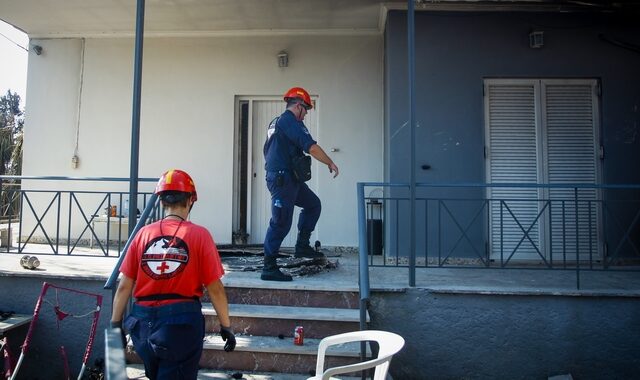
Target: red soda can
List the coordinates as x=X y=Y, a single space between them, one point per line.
x=298 y=336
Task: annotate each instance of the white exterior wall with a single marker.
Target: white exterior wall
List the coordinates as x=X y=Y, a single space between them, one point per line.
x=187 y=114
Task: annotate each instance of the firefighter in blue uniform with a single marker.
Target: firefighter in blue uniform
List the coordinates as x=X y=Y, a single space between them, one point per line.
x=288 y=138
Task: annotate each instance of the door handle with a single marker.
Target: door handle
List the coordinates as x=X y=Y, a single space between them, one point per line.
x=426 y=167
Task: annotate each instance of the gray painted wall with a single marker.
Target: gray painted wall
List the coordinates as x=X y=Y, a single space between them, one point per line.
x=471 y=336
x=449 y=336
x=454 y=52
x=43 y=359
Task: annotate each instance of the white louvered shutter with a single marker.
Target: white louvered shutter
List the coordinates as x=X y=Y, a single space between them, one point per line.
x=512 y=148
x=570 y=146
x=542 y=131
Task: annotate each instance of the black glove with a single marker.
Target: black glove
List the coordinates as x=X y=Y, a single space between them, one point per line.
x=227 y=335
x=123 y=337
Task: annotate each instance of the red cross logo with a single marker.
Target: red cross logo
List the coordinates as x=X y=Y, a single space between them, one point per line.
x=163 y=267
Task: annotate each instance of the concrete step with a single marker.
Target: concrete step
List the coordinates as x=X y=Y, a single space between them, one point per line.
x=136 y=371
x=281 y=320
x=266 y=293
x=272 y=354
x=268 y=354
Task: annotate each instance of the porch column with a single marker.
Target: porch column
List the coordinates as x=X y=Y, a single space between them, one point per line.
x=412 y=104
x=135 y=122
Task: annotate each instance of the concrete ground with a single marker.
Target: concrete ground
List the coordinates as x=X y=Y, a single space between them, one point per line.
x=345 y=276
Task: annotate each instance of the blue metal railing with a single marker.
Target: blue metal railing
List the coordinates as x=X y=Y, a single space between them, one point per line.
x=502 y=226
x=67 y=218
x=110 y=284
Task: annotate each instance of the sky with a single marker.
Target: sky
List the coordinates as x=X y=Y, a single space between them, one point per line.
x=13 y=61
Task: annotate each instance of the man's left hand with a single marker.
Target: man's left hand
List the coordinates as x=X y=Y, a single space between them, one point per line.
x=227 y=335
x=123 y=337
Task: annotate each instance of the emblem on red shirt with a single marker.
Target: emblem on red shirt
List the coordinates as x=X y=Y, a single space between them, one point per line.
x=165 y=257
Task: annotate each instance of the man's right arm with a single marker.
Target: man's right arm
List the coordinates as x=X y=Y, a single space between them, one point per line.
x=125 y=287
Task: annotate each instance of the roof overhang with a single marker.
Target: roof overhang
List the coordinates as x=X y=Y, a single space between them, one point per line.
x=113 y=18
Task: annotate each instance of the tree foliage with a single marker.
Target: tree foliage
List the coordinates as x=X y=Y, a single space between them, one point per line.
x=11 y=127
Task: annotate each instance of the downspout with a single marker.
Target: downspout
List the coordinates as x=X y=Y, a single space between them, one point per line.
x=75 y=159
x=135 y=123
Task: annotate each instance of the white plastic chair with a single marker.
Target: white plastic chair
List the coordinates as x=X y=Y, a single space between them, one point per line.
x=390 y=343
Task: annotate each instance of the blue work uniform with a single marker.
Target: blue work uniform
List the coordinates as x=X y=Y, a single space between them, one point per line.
x=287 y=138
x=168 y=338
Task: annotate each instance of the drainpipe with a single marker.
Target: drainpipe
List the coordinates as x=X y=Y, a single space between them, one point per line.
x=135 y=122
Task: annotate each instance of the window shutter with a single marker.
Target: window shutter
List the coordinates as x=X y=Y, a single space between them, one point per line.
x=513 y=158
x=570 y=146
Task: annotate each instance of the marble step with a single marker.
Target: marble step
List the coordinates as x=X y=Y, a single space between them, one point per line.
x=282 y=320
x=268 y=354
x=289 y=294
x=136 y=371
x=272 y=354
x=289 y=312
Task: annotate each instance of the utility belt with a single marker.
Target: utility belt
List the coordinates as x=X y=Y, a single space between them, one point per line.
x=148 y=312
x=285 y=171
x=300 y=170
x=166 y=296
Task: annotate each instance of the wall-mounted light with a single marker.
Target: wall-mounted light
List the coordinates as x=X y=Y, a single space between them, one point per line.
x=536 y=39
x=283 y=59
x=37 y=49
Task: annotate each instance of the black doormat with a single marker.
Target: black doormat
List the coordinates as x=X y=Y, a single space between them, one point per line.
x=250 y=258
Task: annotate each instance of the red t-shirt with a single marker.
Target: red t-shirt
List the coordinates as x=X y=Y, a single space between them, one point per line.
x=170 y=256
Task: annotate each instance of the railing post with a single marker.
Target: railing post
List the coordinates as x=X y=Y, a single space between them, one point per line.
x=20 y=219
x=575 y=197
x=363 y=267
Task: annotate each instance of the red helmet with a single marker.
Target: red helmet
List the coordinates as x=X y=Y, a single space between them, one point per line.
x=299 y=93
x=176 y=180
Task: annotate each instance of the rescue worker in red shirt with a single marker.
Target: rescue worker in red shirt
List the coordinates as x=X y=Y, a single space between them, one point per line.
x=166 y=267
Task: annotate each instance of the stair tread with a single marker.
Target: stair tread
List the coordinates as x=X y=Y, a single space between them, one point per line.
x=269 y=344
x=136 y=371
x=289 y=312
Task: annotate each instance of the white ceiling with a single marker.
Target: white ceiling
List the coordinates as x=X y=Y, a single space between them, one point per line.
x=94 y=18
x=60 y=18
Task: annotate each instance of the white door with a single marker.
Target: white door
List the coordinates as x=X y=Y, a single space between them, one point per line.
x=261 y=112
x=542 y=131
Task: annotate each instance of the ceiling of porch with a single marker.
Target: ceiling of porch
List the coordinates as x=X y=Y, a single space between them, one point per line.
x=94 y=18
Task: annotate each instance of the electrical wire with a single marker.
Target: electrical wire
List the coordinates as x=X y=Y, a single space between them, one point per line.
x=14 y=42
x=625 y=45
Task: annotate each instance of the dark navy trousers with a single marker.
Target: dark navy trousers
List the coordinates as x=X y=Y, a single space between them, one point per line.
x=285 y=194
x=168 y=339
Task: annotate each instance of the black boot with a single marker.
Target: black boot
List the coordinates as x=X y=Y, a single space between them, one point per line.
x=271 y=272
x=303 y=249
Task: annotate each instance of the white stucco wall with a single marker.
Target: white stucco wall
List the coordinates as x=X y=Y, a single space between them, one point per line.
x=187 y=115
